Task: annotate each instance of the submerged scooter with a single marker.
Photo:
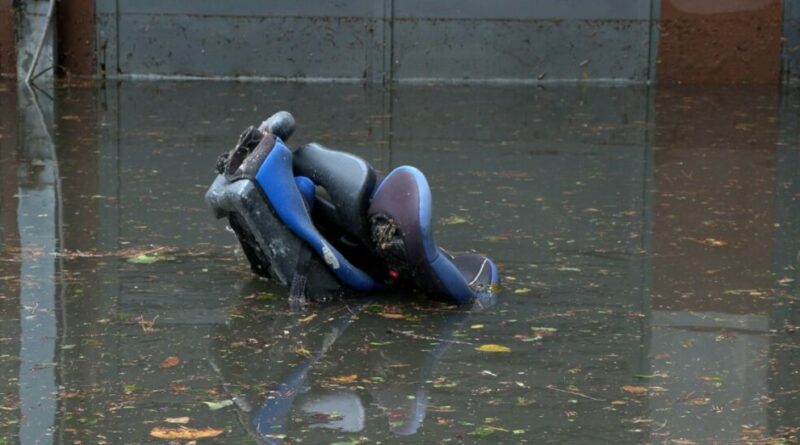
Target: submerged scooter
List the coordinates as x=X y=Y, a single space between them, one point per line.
x=324 y=224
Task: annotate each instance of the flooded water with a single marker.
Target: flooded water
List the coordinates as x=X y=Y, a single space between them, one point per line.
x=648 y=242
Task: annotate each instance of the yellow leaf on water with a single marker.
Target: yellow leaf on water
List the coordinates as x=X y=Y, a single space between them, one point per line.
x=307 y=319
x=453 y=219
x=713 y=242
x=493 y=348
x=184 y=433
x=345 y=378
x=635 y=389
x=178 y=420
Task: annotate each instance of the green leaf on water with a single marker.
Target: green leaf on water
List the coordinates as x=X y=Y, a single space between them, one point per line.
x=482 y=431
x=149 y=259
x=213 y=406
x=487 y=430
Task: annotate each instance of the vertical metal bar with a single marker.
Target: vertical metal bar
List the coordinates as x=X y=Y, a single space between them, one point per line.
x=49 y=18
x=652 y=52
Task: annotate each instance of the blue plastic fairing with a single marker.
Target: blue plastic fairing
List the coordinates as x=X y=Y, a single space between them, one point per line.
x=277 y=181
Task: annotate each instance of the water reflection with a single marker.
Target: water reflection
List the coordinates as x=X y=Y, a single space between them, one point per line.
x=648 y=242
x=715 y=280
x=38 y=220
x=361 y=371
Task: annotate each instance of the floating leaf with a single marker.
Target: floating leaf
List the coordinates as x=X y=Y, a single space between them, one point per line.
x=307 y=319
x=345 y=378
x=487 y=430
x=493 y=348
x=643 y=389
x=522 y=401
x=178 y=420
x=482 y=431
x=392 y=316
x=177 y=388
x=528 y=339
x=442 y=382
x=213 y=406
x=652 y=376
x=543 y=329
x=713 y=242
x=635 y=389
x=302 y=350
x=149 y=259
x=184 y=433
x=715 y=380
x=453 y=219
x=170 y=361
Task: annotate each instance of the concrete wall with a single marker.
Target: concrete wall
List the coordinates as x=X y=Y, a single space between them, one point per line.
x=8 y=53
x=791 y=48
x=513 y=40
x=672 y=41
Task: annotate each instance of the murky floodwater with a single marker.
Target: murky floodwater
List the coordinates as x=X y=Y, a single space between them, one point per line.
x=649 y=243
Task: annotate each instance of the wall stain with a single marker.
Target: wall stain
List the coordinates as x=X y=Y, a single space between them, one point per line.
x=713 y=43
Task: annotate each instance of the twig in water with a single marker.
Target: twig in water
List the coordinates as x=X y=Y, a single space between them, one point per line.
x=426 y=337
x=574 y=393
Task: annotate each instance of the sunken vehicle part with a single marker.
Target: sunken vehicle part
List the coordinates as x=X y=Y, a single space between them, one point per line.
x=324 y=224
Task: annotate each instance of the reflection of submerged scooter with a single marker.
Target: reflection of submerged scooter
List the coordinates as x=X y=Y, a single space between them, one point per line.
x=269 y=421
x=322 y=222
x=403 y=396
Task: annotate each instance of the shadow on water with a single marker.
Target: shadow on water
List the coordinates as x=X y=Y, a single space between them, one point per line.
x=647 y=239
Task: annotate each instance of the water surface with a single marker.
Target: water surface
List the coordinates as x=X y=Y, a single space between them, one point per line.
x=648 y=242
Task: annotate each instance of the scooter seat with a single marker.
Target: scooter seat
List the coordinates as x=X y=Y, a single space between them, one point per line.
x=348 y=182
x=400 y=218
